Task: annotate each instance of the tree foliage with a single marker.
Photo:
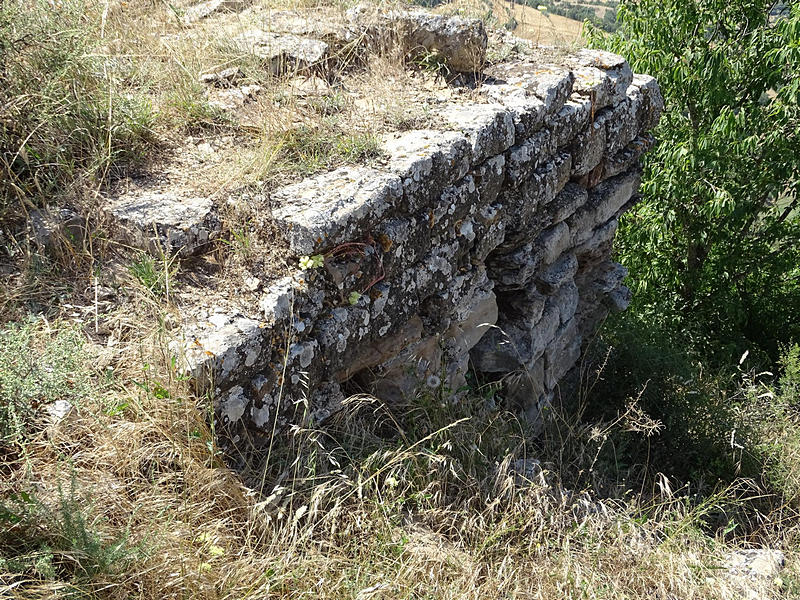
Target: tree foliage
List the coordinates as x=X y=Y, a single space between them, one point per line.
x=715 y=241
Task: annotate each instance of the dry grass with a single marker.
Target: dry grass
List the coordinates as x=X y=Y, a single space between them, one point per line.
x=128 y=496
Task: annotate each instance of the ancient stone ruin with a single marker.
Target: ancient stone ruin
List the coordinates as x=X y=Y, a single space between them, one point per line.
x=483 y=243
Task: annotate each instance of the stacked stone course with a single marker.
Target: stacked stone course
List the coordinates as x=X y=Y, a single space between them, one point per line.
x=485 y=242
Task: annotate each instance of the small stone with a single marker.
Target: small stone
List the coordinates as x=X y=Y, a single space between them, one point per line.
x=252 y=283
x=51 y=226
x=223 y=78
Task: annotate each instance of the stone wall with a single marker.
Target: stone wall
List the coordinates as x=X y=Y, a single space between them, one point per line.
x=484 y=242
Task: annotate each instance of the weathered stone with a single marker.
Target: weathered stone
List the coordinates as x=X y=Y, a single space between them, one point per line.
x=488 y=127
x=551 y=84
x=588 y=148
x=615 y=67
x=160 y=222
x=222 y=78
x=627 y=157
x=426 y=161
x=652 y=104
x=530 y=155
x=622 y=124
x=566 y=299
x=334 y=208
x=49 y=227
x=539 y=190
x=527 y=110
x=558 y=273
x=568 y=200
x=553 y=242
x=284 y=52
x=604 y=202
x=460 y=42
x=567 y=122
x=223 y=348
x=562 y=354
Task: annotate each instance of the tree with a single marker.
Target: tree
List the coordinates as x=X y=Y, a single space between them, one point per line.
x=715 y=241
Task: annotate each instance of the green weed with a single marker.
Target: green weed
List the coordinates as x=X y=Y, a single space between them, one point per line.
x=156 y=275
x=37 y=370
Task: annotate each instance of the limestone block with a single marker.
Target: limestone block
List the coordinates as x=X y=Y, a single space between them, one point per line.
x=541 y=335
x=568 y=200
x=553 y=242
x=341 y=332
x=562 y=354
x=652 y=101
x=569 y=121
x=604 y=202
x=566 y=299
x=283 y=52
x=527 y=110
x=615 y=67
x=622 y=123
x=595 y=84
x=597 y=242
x=561 y=271
x=489 y=178
x=336 y=207
x=382 y=349
x=404 y=240
x=514 y=269
x=525 y=305
x=528 y=156
x=551 y=84
x=490 y=231
x=319 y=24
x=159 y=221
x=202 y=10
x=222 y=348
x=627 y=157
x=588 y=148
x=540 y=189
x=488 y=127
x=426 y=161
x=460 y=42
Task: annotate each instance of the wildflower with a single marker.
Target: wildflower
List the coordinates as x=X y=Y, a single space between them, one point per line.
x=312 y=262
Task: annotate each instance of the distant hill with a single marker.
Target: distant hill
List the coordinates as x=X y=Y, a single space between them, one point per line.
x=525 y=21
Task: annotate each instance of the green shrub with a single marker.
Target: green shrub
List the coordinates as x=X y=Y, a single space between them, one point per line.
x=61 y=542
x=37 y=370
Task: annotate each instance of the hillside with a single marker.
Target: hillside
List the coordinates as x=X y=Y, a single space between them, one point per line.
x=529 y=23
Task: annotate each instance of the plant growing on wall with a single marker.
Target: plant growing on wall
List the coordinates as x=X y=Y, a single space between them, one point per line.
x=716 y=240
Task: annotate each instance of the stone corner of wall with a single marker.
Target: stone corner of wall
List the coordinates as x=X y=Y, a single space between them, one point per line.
x=486 y=241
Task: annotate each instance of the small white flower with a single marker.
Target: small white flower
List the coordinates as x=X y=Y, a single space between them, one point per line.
x=433 y=381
